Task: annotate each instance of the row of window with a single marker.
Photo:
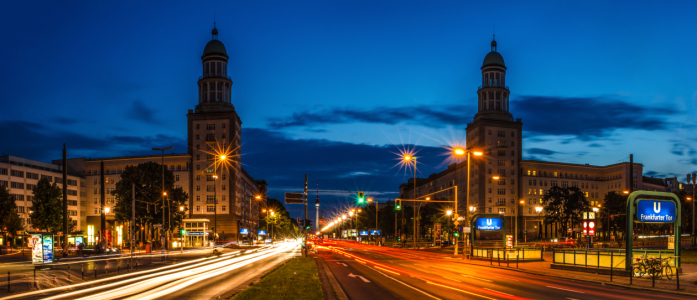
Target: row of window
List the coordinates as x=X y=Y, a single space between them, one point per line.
x=210 y=199
x=211 y=208
x=209 y=126
x=572 y=175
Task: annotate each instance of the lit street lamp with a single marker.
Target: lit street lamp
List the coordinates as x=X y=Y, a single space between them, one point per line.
x=459 y=152
x=516 y=209
x=163 y=235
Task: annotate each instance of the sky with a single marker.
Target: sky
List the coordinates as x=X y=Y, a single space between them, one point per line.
x=334 y=89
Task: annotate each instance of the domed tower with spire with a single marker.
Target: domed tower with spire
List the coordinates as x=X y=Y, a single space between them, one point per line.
x=494 y=133
x=493 y=93
x=214 y=142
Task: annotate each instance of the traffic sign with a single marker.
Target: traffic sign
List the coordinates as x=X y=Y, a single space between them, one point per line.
x=294 y=198
x=655 y=211
x=489 y=224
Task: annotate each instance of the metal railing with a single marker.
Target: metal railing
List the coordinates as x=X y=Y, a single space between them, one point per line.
x=493 y=86
x=214 y=76
x=605 y=258
x=509 y=254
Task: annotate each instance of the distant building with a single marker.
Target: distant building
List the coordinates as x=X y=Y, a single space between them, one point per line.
x=20 y=176
x=213 y=130
x=522 y=183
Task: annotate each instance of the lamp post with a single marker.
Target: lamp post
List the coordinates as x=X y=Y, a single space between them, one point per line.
x=163 y=236
x=342 y=224
x=694 y=180
x=538 y=209
x=458 y=152
x=411 y=158
x=376 y=212
x=448 y=213
x=515 y=232
x=181 y=234
x=218 y=158
x=351 y=216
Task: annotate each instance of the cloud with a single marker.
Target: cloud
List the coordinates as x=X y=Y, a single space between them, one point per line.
x=140 y=112
x=586 y=117
x=429 y=116
x=45 y=143
x=64 y=121
x=595 y=145
x=539 y=151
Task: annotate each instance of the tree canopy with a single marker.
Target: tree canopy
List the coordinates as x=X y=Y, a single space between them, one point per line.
x=47 y=208
x=7 y=205
x=147 y=178
x=564 y=206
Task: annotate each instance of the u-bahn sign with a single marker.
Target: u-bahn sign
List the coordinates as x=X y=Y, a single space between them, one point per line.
x=655 y=211
x=489 y=224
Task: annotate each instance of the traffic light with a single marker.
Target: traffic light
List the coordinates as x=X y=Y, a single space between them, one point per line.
x=456 y=234
x=308 y=224
x=182 y=231
x=361 y=197
x=398 y=204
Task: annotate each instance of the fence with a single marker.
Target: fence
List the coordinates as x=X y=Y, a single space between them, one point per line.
x=522 y=254
x=606 y=258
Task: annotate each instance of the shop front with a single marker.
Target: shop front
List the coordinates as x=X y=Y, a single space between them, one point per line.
x=196 y=232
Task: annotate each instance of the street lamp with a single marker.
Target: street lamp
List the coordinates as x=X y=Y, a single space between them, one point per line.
x=163 y=235
x=460 y=152
x=181 y=234
x=538 y=209
x=448 y=213
x=411 y=158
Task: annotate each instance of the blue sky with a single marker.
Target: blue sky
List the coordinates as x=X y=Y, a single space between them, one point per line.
x=333 y=88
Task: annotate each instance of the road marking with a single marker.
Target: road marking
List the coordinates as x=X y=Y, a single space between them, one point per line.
x=499 y=292
x=452 y=288
x=345 y=265
x=386 y=270
x=558 y=288
x=482 y=279
x=418 y=290
x=361 y=277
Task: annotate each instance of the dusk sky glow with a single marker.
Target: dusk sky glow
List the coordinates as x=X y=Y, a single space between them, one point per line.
x=335 y=89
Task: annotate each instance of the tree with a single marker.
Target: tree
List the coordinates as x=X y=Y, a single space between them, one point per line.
x=147 y=178
x=614 y=207
x=564 y=206
x=13 y=223
x=7 y=205
x=47 y=208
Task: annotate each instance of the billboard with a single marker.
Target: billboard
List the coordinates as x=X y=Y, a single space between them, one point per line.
x=655 y=211
x=489 y=224
x=244 y=231
x=364 y=232
x=37 y=250
x=48 y=248
x=261 y=232
x=375 y=232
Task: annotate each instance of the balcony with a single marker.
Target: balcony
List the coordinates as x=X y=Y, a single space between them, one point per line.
x=215 y=76
x=210 y=201
x=493 y=86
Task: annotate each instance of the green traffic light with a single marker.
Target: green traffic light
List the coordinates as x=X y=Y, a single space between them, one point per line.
x=457 y=234
x=360 y=200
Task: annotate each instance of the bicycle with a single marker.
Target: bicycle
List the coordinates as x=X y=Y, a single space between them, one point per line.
x=662 y=266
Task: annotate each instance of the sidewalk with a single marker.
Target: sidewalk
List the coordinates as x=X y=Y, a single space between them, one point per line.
x=688 y=279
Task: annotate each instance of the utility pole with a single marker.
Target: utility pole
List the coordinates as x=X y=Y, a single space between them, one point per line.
x=163 y=234
x=65 y=202
x=692 y=236
x=102 y=213
x=414 y=234
x=317 y=208
x=305 y=220
x=133 y=222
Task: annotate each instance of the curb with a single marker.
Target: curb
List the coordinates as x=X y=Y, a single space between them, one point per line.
x=586 y=280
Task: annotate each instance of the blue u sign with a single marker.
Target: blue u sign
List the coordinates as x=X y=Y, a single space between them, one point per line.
x=488 y=224
x=655 y=211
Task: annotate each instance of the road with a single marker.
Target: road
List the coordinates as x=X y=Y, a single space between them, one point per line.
x=186 y=280
x=364 y=271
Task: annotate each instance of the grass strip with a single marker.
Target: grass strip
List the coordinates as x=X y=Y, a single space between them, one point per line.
x=296 y=279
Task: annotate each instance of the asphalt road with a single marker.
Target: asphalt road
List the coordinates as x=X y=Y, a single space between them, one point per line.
x=367 y=271
x=203 y=278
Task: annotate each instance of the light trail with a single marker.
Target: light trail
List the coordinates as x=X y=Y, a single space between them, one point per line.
x=145 y=283
x=187 y=264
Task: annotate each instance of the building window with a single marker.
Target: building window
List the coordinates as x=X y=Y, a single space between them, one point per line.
x=198 y=208
x=501 y=191
x=210 y=157
x=489 y=200
x=222 y=125
x=198 y=137
x=502 y=162
x=489 y=190
x=210 y=126
x=223 y=207
x=223 y=176
x=210 y=208
x=489 y=209
x=198 y=168
x=198 y=147
x=198 y=187
x=502 y=210
x=223 y=198
x=210 y=188
x=176 y=177
x=512 y=153
x=198 y=197
x=223 y=187
x=16 y=173
x=502 y=153
x=198 y=157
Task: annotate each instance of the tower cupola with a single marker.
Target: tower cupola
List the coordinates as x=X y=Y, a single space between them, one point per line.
x=493 y=93
x=214 y=85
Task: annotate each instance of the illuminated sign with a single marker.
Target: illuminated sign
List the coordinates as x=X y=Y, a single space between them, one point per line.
x=375 y=232
x=194 y=233
x=244 y=231
x=261 y=232
x=48 y=248
x=364 y=232
x=655 y=211
x=37 y=250
x=489 y=224
x=589 y=228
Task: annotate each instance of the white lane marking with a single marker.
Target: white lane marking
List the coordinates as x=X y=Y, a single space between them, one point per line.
x=558 y=288
x=359 y=276
x=499 y=292
x=418 y=290
x=473 y=277
x=345 y=265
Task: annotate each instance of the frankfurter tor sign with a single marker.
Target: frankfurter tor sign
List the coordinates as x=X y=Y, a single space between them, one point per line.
x=652 y=208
